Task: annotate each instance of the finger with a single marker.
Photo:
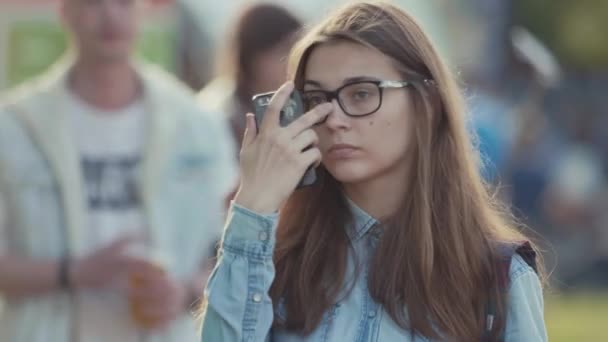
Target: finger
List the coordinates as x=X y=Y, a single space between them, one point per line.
x=144 y=292
x=311 y=157
x=158 y=325
x=305 y=139
x=250 y=130
x=273 y=111
x=143 y=266
x=152 y=314
x=152 y=279
x=148 y=282
x=157 y=322
x=152 y=291
x=122 y=243
x=156 y=310
x=310 y=119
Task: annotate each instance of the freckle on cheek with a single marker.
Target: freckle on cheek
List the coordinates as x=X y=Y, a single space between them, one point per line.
x=371 y=123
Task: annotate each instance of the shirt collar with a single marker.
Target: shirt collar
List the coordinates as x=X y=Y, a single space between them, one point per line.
x=362 y=224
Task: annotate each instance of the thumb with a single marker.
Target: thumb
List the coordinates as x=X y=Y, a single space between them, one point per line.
x=119 y=245
x=250 y=130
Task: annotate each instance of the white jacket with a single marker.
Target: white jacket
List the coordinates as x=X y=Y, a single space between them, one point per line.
x=188 y=167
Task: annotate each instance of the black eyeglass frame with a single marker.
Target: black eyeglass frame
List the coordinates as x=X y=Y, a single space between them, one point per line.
x=381 y=84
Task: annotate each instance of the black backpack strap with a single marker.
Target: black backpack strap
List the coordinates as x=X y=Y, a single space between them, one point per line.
x=506 y=253
x=528 y=253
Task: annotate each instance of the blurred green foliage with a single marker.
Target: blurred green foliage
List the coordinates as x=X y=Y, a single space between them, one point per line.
x=576 y=30
x=577 y=317
x=35 y=45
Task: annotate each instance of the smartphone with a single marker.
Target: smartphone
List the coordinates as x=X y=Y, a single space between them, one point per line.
x=293 y=109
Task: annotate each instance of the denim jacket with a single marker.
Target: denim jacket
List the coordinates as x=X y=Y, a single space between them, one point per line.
x=240 y=308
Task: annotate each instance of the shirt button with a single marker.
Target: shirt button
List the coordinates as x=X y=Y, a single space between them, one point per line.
x=257 y=297
x=263 y=236
x=371 y=314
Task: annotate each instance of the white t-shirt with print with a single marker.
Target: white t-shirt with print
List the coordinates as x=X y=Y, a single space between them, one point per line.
x=110 y=145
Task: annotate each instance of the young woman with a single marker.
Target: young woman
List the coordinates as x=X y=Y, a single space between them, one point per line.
x=399 y=240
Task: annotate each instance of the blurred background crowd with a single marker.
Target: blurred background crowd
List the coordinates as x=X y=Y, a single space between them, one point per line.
x=535 y=73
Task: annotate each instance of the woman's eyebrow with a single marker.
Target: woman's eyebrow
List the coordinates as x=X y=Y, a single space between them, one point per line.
x=313 y=83
x=359 y=79
x=345 y=81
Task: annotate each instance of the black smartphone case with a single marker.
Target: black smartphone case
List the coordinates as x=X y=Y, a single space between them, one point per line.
x=290 y=112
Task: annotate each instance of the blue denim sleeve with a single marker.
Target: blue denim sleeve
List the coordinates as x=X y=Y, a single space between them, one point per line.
x=525 y=318
x=238 y=305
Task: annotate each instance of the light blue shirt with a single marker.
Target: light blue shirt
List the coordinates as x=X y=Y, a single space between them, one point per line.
x=240 y=308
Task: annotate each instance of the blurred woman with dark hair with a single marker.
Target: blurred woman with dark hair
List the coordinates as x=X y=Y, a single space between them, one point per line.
x=254 y=61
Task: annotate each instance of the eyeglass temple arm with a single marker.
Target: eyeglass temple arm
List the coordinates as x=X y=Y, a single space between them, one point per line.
x=400 y=84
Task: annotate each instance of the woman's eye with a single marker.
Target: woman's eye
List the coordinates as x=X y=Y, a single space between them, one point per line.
x=360 y=95
x=314 y=100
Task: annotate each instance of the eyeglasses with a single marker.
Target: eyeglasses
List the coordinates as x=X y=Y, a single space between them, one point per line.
x=356 y=99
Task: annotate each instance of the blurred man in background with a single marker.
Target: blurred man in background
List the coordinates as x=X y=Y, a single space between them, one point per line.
x=112 y=181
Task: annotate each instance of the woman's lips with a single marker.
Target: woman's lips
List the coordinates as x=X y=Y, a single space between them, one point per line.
x=342 y=151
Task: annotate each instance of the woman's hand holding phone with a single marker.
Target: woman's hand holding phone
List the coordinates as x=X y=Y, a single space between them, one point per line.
x=273 y=160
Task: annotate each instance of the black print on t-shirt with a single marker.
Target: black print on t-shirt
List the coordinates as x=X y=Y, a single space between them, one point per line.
x=111 y=182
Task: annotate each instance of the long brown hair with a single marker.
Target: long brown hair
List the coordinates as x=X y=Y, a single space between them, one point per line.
x=435 y=264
